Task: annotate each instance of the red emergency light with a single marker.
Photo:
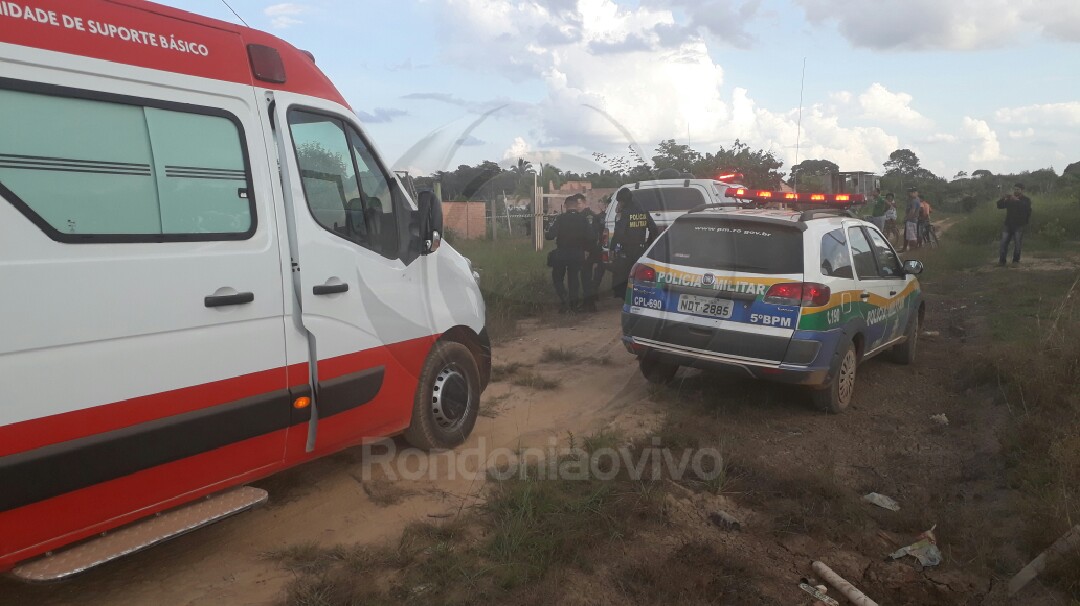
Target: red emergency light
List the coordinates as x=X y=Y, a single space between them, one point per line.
x=729 y=177
x=741 y=193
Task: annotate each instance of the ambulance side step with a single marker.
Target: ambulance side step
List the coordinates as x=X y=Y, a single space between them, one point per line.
x=140 y=535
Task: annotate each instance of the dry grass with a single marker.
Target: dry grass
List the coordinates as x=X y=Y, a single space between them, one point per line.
x=559 y=355
x=534 y=380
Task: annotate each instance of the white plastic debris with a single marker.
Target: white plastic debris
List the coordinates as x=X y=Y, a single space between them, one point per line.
x=883 y=501
x=925 y=549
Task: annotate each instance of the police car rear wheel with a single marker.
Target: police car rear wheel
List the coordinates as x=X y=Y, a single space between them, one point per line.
x=656 y=371
x=447 y=398
x=904 y=353
x=836 y=396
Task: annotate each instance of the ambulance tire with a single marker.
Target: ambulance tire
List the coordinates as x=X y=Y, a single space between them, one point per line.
x=904 y=353
x=835 y=396
x=655 y=371
x=447 y=398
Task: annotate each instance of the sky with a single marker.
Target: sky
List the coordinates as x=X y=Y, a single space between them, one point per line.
x=965 y=84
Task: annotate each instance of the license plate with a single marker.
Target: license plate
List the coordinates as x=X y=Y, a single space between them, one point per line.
x=705 y=306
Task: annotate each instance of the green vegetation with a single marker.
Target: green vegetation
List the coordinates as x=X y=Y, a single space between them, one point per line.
x=531 y=531
x=514 y=279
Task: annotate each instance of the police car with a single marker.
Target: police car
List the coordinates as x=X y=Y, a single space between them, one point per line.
x=795 y=296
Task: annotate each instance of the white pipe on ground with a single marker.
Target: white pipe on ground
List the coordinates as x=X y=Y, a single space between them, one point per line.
x=1068 y=542
x=848 y=590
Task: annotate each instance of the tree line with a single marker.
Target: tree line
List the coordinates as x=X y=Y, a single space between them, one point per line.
x=760 y=169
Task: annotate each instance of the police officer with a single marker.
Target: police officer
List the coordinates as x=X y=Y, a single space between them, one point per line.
x=634 y=231
x=592 y=272
x=570 y=230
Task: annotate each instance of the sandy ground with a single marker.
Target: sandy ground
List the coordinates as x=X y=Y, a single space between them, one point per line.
x=945 y=475
x=331 y=501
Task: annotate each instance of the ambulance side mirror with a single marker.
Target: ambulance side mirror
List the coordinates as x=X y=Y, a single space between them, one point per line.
x=429 y=221
x=913 y=267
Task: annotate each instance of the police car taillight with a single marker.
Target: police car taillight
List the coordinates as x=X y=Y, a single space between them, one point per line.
x=642 y=273
x=802 y=294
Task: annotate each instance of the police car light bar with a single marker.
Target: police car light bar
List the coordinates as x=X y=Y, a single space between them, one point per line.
x=749 y=195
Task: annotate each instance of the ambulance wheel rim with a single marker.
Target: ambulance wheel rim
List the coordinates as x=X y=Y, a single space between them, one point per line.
x=451 y=398
x=847 y=377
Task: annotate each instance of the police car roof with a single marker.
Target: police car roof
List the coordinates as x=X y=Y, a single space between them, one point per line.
x=794 y=218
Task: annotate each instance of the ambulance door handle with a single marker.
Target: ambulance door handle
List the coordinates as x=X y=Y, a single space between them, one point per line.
x=330 y=289
x=239 y=298
x=864 y=296
x=892 y=293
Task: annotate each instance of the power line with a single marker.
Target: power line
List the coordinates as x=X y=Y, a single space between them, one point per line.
x=235 y=13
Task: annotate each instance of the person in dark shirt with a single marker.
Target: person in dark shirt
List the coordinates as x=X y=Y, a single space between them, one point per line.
x=634 y=232
x=571 y=232
x=1017 y=208
x=592 y=272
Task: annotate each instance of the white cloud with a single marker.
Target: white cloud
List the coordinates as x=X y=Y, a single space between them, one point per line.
x=882 y=105
x=285 y=14
x=954 y=25
x=614 y=78
x=1048 y=114
x=1026 y=133
x=986 y=146
x=941 y=138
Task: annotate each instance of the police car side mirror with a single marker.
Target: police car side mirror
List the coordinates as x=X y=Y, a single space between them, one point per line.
x=913 y=267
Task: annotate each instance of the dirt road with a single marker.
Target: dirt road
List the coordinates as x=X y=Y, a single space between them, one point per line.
x=329 y=502
x=795 y=478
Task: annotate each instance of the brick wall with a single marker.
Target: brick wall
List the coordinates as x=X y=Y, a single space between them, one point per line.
x=465 y=219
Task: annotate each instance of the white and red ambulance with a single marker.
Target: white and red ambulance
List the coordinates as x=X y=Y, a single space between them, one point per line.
x=207 y=275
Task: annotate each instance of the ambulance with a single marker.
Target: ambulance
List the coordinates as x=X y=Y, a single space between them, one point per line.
x=208 y=275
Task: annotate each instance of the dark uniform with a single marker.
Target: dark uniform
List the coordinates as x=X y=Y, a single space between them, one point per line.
x=593 y=270
x=634 y=232
x=570 y=230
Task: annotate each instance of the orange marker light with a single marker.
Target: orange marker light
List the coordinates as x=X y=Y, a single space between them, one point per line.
x=817 y=198
x=843 y=198
x=791 y=196
x=301 y=403
x=764 y=194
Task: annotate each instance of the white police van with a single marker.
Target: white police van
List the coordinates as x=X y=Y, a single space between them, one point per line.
x=209 y=275
x=668 y=199
x=796 y=296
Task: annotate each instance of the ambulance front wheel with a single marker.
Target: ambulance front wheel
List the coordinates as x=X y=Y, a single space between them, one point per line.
x=447 y=398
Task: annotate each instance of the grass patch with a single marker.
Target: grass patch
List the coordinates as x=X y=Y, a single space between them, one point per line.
x=1035 y=369
x=559 y=355
x=385 y=493
x=515 y=281
x=533 y=380
x=504 y=372
x=489 y=407
x=1054 y=219
x=531 y=530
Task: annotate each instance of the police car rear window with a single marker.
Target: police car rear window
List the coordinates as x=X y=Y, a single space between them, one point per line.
x=668 y=199
x=743 y=246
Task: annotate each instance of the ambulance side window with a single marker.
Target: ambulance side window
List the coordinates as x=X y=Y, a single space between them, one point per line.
x=345 y=190
x=113 y=169
x=862 y=254
x=835 y=260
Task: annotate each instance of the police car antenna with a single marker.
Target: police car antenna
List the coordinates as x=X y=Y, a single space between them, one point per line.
x=235 y=13
x=798 y=135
